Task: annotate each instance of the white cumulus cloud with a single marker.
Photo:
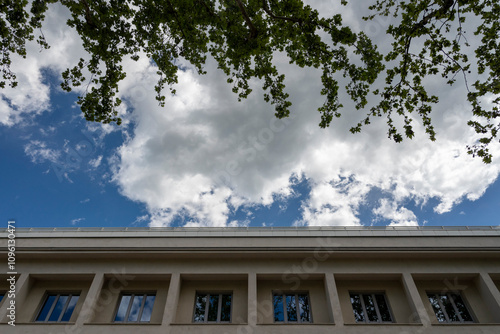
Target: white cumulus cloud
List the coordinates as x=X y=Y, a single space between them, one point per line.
x=399 y=216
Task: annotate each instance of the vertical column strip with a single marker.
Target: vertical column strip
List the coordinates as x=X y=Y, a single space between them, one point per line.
x=22 y=287
x=490 y=295
x=90 y=303
x=252 y=299
x=174 y=290
x=333 y=301
x=415 y=301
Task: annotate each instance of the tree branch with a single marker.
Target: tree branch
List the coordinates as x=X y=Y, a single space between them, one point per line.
x=88 y=14
x=177 y=19
x=438 y=12
x=253 y=30
x=268 y=11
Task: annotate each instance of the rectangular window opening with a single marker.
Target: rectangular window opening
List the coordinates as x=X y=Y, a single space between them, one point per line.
x=135 y=307
x=449 y=307
x=292 y=307
x=370 y=307
x=212 y=307
x=57 y=307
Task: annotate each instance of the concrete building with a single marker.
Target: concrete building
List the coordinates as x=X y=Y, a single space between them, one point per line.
x=253 y=280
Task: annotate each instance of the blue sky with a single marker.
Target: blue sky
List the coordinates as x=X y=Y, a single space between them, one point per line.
x=207 y=160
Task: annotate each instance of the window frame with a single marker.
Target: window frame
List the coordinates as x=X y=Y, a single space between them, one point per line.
x=58 y=294
x=129 y=307
x=452 y=301
x=207 y=294
x=377 y=310
x=296 y=294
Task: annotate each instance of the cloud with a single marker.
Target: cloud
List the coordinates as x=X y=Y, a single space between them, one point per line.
x=32 y=95
x=204 y=154
x=76 y=221
x=140 y=219
x=237 y=223
x=334 y=203
x=398 y=216
x=94 y=163
x=39 y=153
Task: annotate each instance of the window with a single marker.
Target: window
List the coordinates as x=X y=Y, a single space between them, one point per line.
x=449 y=307
x=212 y=307
x=135 y=307
x=57 y=308
x=370 y=307
x=1 y=295
x=291 y=307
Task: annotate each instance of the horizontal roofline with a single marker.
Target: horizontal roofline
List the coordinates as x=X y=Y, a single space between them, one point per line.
x=485 y=238
x=252 y=232
x=255 y=229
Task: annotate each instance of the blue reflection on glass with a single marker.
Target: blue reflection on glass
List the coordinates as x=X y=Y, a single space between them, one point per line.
x=291 y=308
x=135 y=308
x=278 y=308
x=46 y=308
x=69 y=310
x=148 y=308
x=122 y=309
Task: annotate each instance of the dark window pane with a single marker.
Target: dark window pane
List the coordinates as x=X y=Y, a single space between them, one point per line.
x=462 y=309
x=122 y=309
x=370 y=308
x=148 y=308
x=1 y=297
x=69 y=310
x=383 y=308
x=291 y=308
x=278 y=308
x=213 y=307
x=56 y=312
x=357 y=308
x=199 y=311
x=448 y=308
x=433 y=299
x=305 y=313
x=46 y=308
x=225 y=314
x=133 y=315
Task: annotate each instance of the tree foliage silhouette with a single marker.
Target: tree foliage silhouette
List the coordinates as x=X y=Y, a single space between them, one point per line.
x=244 y=36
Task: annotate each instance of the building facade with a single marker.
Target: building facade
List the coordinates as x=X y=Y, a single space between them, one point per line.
x=252 y=280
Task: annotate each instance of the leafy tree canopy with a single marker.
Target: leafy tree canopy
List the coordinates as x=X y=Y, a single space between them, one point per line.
x=243 y=36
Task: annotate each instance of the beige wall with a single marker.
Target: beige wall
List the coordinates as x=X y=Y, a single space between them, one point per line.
x=360 y=261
